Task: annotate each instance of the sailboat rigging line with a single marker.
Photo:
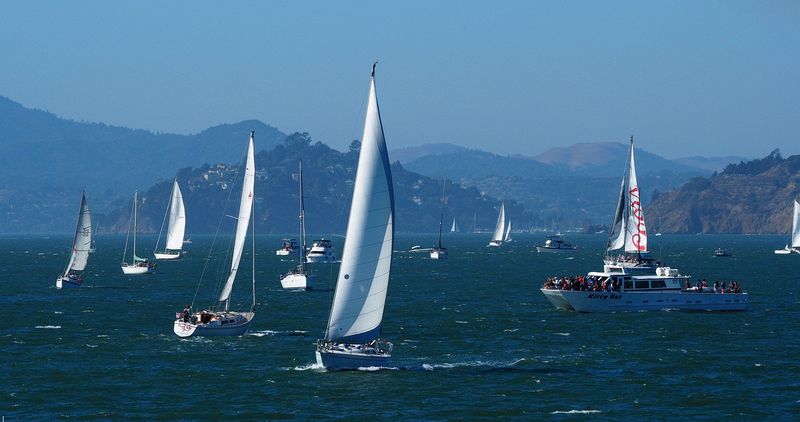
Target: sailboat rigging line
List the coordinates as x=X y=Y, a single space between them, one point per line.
x=128 y=235
x=213 y=243
x=166 y=213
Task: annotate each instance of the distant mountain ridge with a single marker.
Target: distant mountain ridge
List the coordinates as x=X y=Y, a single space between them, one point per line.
x=44 y=151
x=752 y=197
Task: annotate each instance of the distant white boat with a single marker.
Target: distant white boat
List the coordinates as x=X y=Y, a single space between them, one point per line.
x=556 y=244
x=795 y=241
x=454 y=227
x=352 y=336
x=497 y=236
x=719 y=252
x=440 y=252
x=299 y=278
x=137 y=265
x=176 y=227
x=225 y=322
x=507 y=238
x=288 y=247
x=321 y=252
x=81 y=245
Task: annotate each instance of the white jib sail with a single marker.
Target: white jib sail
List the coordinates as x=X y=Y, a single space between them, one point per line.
x=357 y=309
x=245 y=207
x=454 y=227
x=501 y=224
x=177 y=220
x=636 y=231
x=796 y=225
x=82 y=241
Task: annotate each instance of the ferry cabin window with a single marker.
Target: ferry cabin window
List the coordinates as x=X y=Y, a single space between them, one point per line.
x=642 y=284
x=628 y=284
x=658 y=284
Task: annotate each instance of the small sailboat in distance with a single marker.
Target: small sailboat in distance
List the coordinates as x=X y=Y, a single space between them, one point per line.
x=440 y=252
x=299 y=278
x=352 y=336
x=497 y=236
x=454 y=227
x=137 y=265
x=507 y=238
x=795 y=245
x=81 y=244
x=225 y=322
x=175 y=228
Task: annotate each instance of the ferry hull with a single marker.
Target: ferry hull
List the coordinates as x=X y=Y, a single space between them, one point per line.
x=591 y=301
x=543 y=249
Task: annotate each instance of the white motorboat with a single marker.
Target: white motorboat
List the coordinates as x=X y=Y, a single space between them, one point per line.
x=621 y=291
x=321 y=252
x=795 y=241
x=556 y=244
x=719 y=252
x=137 y=265
x=173 y=249
x=299 y=278
x=352 y=336
x=225 y=322
x=497 y=235
x=81 y=246
x=288 y=247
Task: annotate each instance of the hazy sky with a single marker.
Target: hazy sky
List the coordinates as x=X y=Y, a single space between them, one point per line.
x=685 y=77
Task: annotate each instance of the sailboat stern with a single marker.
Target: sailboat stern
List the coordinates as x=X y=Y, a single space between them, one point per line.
x=298 y=281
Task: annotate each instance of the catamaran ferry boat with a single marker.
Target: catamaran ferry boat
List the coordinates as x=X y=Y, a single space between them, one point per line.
x=612 y=291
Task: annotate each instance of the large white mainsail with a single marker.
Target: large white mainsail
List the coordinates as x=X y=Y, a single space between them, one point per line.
x=358 y=303
x=501 y=224
x=635 y=232
x=177 y=219
x=245 y=208
x=796 y=225
x=628 y=229
x=82 y=241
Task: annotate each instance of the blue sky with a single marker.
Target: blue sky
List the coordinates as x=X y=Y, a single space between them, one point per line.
x=685 y=77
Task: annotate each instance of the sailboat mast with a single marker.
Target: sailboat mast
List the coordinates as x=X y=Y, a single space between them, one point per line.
x=441 y=216
x=302 y=223
x=253 y=219
x=135 y=204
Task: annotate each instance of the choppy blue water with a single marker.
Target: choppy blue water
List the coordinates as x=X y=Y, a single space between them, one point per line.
x=474 y=338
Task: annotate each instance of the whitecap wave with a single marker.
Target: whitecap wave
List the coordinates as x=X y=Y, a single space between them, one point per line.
x=561 y=334
x=377 y=368
x=262 y=333
x=574 y=412
x=52 y=327
x=308 y=367
x=476 y=363
x=461 y=322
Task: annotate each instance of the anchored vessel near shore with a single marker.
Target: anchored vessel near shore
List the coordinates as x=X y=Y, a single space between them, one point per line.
x=352 y=336
x=81 y=246
x=226 y=322
x=620 y=291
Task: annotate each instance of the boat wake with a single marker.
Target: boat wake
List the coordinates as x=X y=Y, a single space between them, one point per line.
x=271 y=333
x=574 y=412
x=310 y=367
x=471 y=364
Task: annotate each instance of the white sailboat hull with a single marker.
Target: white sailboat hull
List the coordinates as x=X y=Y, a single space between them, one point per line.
x=239 y=325
x=339 y=360
x=495 y=244
x=283 y=252
x=438 y=254
x=167 y=256
x=786 y=251
x=62 y=282
x=545 y=249
x=298 y=282
x=592 y=301
x=136 y=269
